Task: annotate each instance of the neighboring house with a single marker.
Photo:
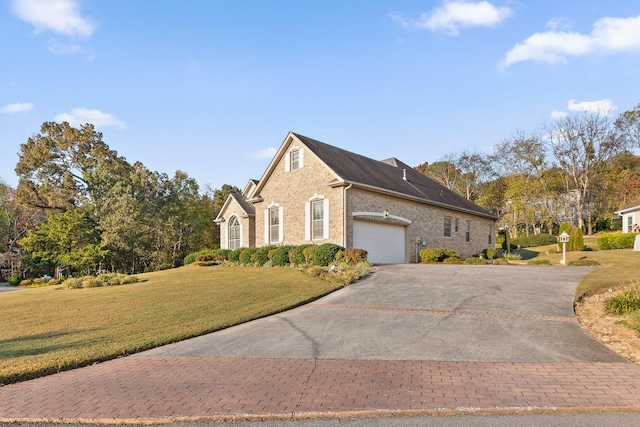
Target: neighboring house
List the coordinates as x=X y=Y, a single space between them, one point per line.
x=312 y=192
x=630 y=217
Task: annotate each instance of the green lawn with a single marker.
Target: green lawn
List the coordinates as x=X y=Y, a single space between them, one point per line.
x=617 y=267
x=46 y=330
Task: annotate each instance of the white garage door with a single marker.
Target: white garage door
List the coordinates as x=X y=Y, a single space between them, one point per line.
x=384 y=243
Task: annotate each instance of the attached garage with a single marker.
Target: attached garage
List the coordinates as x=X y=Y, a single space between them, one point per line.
x=385 y=243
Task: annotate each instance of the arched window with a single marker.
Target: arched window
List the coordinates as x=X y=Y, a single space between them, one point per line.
x=234 y=233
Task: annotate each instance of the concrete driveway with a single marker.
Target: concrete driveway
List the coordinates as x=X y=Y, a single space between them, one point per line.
x=424 y=312
x=410 y=338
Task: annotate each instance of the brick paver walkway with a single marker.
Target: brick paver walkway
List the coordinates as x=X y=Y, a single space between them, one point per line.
x=154 y=388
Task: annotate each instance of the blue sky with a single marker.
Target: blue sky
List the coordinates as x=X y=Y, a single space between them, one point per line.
x=211 y=88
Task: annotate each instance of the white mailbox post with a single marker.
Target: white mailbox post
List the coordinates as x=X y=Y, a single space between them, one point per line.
x=564 y=239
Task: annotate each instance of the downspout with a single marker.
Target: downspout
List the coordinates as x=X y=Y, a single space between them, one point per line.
x=344 y=211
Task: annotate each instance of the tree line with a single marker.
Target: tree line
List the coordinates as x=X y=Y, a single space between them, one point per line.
x=79 y=208
x=577 y=169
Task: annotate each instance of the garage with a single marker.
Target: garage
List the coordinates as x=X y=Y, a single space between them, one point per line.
x=385 y=243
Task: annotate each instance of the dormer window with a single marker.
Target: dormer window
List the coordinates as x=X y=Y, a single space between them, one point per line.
x=294 y=159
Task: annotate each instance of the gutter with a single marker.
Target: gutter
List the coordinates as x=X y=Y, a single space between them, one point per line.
x=344 y=212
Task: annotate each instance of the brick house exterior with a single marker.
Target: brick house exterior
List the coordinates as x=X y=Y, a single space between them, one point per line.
x=313 y=192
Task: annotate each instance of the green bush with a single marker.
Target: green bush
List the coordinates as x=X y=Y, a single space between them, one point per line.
x=234 y=255
x=191 y=258
x=490 y=253
x=280 y=255
x=261 y=255
x=308 y=253
x=325 y=254
x=452 y=260
x=626 y=302
x=539 y=262
x=14 y=281
x=534 y=240
x=298 y=257
x=245 y=256
x=73 y=283
x=584 y=263
x=475 y=261
x=616 y=240
x=576 y=240
x=352 y=257
x=222 y=254
x=436 y=254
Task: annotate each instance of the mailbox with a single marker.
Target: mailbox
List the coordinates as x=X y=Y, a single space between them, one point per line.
x=564 y=237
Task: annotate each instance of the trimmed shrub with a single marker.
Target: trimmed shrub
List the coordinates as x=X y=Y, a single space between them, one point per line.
x=436 y=254
x=534 y=240
x=73 y=283
x=490 y=253
x=14 y=281
x=191 y=258
x=584 y=263
x=245 y=256
x=452 y=260
x=352 y=257
x=475 y=261
x=298 y=256
x=280 y=256
x=619 y=240
x=539 y=262
x=261 y=255
x=222 y=254
x=234 y=255
x=325 y=254
x=308 y=253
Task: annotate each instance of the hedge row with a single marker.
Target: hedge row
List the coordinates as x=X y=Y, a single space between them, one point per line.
x=617 y=240
x=303 y=255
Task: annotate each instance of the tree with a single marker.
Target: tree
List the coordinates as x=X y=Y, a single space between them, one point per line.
x=64 y=167
x=67 y=239
x=583 y=145
x=628 y=125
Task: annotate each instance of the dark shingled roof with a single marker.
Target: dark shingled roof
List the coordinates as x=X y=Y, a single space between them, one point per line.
x=631 y=205
x=249 y=208
x=388 y=175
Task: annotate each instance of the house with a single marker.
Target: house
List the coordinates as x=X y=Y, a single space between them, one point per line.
x=313 y=192
x=630 y=217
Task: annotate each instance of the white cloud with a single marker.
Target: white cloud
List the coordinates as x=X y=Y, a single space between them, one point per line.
x=457 y=14
x=555 y=114
x=81 y=116
x=18 y=107
x=603 y=106
x=59 y=16
x=609 y=35
x=267 y=153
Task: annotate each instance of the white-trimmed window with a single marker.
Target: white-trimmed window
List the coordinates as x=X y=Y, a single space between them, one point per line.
x=294 y=159
x=456 y=224
x=447 y=226
x=467 y=234
x=317 y=218
x=629 y=223
x=273 y=224
x=490 y=242
x=235 y=233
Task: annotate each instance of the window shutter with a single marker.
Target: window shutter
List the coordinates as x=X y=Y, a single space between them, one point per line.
x=307 y=220
x=325 y=219
x=287 y=162
x=281 y=224
x=300 y=158
x=266 y=226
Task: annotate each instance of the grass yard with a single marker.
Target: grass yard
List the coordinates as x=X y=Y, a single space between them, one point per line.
x=50 y=329
x=617 y=267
